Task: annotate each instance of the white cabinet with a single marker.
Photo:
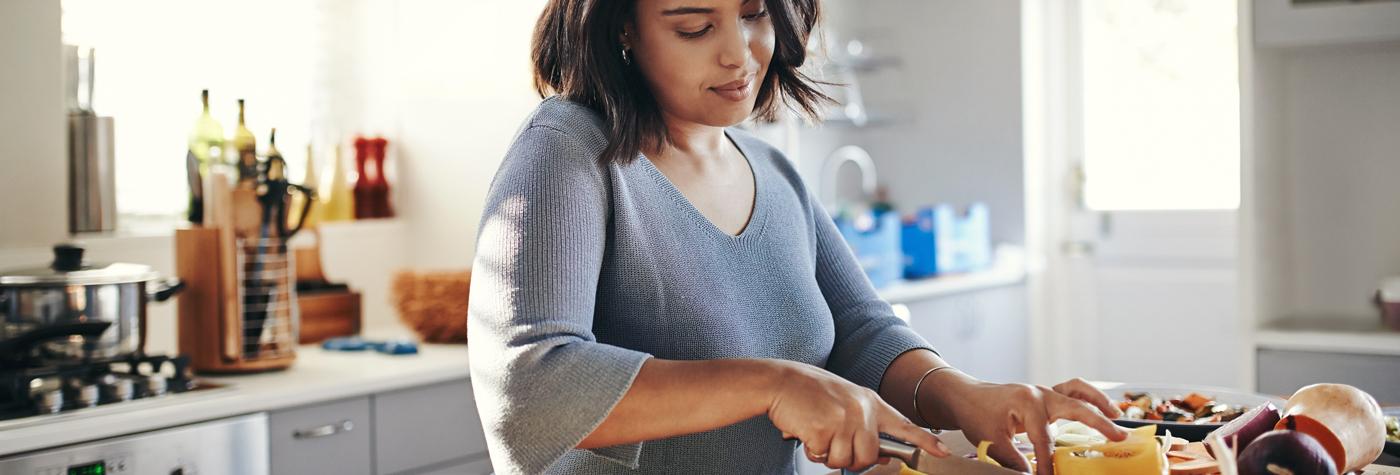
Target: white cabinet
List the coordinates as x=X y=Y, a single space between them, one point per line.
x=326 y=438
x=1286 y=23
x=431 y=429
x=425 y=427
x=1281 y=372
x=982 y=333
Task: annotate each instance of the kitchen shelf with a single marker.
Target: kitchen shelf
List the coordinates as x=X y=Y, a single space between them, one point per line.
x=1291 y=23
x=1008 y=268
x=1330 y=335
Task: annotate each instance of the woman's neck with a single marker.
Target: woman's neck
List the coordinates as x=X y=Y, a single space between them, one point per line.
x=701 y=145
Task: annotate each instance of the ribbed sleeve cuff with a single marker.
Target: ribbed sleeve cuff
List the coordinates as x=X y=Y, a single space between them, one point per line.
x=563 y=406
x=868 y=364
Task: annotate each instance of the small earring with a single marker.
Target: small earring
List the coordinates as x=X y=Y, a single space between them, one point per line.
x=625 y=58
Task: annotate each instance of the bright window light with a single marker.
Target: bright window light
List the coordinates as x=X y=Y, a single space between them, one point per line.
x=1161 y=105
x=154 y=56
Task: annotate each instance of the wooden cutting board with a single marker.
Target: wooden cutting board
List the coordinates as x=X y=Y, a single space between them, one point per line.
x=960 y=447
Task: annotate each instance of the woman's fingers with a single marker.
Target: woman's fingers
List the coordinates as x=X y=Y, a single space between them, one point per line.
x=866 y=448
x=817 y=449
x=1037 y=430
x=840 y=455
x=900 y=428
x=1005 y=453
x=1080 y=389
x=1064 y=407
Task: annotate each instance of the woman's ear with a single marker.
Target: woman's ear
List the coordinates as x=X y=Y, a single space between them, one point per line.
x=628 y=33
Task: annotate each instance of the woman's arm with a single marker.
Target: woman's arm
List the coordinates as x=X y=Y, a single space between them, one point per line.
x=836 y=420
x=671 y=398
x=950 y=399
x=897 y=388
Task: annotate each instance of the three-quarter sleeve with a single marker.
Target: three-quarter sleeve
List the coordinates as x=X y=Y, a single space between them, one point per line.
x=868 y=335
x=542 y=381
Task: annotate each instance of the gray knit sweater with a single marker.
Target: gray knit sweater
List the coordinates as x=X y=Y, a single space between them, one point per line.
x=584 y=270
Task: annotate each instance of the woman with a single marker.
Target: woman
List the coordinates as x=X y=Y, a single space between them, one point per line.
x=656 y=292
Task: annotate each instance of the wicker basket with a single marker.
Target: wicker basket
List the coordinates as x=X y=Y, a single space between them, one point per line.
x=433 y=304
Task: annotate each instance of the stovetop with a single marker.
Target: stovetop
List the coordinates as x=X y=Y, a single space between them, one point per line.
x=31 y=389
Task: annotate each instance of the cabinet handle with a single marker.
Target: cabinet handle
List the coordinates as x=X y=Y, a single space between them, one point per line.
x=324 y=431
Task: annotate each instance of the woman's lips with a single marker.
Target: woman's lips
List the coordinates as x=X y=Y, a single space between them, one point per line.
x=735 y=91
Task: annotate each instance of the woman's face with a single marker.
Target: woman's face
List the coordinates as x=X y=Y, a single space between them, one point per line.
x=703 y=59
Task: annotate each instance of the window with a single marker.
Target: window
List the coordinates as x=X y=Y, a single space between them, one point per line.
x=154 y=56
x=1161 y=109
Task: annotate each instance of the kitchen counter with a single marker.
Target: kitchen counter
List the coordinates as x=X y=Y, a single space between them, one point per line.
x=1009 y=267
x=317 y=376
x=1335 y=335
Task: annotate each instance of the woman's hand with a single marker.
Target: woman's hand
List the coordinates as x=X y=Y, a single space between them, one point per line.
x=997 y=412
x=838 y=422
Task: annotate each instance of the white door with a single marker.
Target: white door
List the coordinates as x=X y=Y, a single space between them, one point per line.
x=1133 y=153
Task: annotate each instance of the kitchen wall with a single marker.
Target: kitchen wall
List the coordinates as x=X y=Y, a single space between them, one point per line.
x=448 y=82
x=33 y=183
x=946 y=120
x=1334 y=154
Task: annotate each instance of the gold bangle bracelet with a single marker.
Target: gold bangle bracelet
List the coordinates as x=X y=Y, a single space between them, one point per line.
x=918 y=414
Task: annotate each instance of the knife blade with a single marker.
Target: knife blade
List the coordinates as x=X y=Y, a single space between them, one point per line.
x=934 y=465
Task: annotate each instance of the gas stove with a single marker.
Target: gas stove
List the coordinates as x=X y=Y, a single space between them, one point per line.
x=33 y=388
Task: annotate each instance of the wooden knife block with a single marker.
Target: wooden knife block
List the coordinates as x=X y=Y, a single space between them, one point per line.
x=211 y=308
x=328 y=314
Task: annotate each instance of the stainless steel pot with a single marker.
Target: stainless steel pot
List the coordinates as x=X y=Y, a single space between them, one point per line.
x=50 y=312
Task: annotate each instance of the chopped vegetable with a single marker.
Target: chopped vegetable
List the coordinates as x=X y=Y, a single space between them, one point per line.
x=1392 y=429
x=1193 y=408
x=1141 y=453
x=982 y=453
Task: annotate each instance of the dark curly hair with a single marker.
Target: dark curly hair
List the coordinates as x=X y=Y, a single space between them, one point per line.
x=576 y=54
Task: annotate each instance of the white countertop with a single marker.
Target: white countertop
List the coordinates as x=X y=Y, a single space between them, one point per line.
x=317 y=376
x=1009 y=267
x=1330 y=335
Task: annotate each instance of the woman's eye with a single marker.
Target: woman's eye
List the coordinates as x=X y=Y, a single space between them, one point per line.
x=757 y=16
x=695 y=34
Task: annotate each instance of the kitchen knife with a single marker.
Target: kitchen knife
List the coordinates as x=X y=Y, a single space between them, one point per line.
x=934 y=465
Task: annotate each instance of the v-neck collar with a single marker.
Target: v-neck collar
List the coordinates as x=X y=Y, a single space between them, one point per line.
x=757 y=215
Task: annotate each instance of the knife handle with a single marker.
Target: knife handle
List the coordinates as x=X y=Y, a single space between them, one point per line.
x=889 y=447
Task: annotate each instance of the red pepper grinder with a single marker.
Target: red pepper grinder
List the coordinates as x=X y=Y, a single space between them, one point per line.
x=379 y=187
x=364 y=184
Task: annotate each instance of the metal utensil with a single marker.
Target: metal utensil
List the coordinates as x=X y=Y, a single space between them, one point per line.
x=932 y=465
x=91 y=151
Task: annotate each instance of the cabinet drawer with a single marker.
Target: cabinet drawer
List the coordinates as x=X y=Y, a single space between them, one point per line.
x=325 y=438
x=481 y=466
x=423 y=426
x=1282 y=372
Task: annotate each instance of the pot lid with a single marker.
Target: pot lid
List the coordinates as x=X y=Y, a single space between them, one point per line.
x=68 y=268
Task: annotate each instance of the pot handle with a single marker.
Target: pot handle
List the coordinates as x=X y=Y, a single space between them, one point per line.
x=165 y=289
x=20 y=345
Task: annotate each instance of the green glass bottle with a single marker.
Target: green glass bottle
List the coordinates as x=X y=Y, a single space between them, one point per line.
x=206 y=150
x=245 y=151
x=207 y=138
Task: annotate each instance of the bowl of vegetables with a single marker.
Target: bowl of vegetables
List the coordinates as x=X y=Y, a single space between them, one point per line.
x=1189 y=412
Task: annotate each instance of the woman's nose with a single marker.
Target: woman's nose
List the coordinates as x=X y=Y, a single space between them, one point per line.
x=734 y=53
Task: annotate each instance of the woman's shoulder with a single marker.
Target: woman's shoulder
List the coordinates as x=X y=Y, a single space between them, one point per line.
x=569 y=119
x=558 y=136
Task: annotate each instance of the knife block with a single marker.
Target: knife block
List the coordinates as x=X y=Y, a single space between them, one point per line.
x=238 y=313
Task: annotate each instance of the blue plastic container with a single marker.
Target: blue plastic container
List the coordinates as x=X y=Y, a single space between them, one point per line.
x=875 y=240
x=939 y=240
